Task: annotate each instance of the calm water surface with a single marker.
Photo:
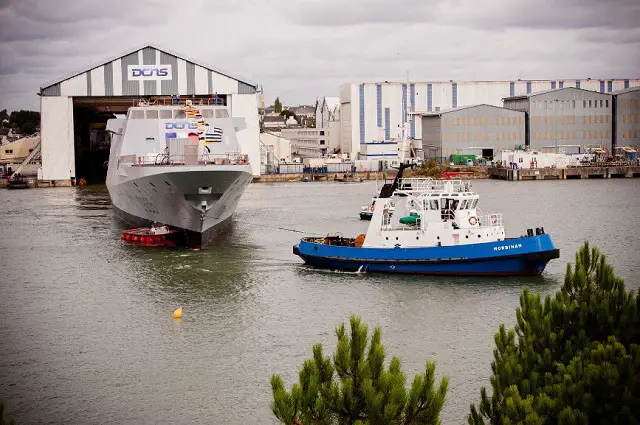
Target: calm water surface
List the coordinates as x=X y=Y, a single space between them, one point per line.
x=86 y=334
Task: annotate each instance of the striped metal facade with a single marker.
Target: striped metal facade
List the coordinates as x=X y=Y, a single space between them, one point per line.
x=188 y=77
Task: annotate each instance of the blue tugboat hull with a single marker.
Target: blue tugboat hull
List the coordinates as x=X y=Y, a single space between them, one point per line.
x=511 y=257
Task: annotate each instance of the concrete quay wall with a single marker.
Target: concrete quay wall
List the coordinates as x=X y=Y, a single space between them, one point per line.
x=604 y=172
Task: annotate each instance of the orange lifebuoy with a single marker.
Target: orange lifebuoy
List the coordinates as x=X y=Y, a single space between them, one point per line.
x=473 y=220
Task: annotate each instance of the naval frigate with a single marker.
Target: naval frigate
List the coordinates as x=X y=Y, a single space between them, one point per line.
x=178 y=165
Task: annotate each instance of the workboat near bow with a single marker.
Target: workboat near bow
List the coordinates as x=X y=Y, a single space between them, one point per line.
x=178 y=166
x=436 y=229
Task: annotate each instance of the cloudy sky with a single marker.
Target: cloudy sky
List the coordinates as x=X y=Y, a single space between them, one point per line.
x=301 y=49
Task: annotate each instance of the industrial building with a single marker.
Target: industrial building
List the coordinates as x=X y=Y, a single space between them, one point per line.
x=307 y=142
x=566 y=117
x=76 y=107
x=376 y=111
x=481 y=130
x=626 y=111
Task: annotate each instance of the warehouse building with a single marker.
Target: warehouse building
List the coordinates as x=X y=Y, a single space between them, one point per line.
x=376 y=111
x=626 y=111
x=76 y=107
x=481 y=130
x=566 y=117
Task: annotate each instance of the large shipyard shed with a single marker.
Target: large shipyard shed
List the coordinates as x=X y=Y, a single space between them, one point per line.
x=627 y=117
x=481 y=130
x=566 y=117
x=75 y=108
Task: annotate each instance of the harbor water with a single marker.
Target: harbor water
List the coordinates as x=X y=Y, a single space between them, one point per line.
x=86 y=327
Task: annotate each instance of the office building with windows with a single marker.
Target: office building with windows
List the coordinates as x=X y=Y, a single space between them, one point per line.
x=566 y=117
x=376 y=111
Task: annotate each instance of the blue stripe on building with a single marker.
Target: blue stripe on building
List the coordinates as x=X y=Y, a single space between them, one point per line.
x=528 y=87
x=429 y=97
x=626 y=84
x=387 y=124
x=601 y=86
x=561 y=83
x=577 y=84
x=412 y=103
x=609 y=86
x=454 y=94
x=553 y=85
x=379 y=105
x=404 y=103
x=361 y=113
x=512 y=89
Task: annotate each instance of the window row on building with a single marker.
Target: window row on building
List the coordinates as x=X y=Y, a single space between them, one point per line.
x=628 y=104
x=629 y=134
x=570 y=135
x=482 y=121
x=483 y=137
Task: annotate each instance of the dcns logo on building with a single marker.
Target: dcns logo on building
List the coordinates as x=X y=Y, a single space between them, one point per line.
x=180 y=125
x=149 y=72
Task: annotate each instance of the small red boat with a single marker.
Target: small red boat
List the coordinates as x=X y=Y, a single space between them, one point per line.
x=151 y=236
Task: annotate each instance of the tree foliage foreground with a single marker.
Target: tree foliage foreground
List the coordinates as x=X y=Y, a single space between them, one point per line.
x=355 y=387
x=572 y=359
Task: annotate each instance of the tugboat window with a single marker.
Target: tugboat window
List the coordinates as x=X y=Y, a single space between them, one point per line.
x=165 y=114
x=179 y=113
x=434 y=204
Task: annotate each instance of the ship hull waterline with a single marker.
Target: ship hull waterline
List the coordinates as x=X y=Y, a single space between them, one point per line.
x=174 y=197
x=511 y=257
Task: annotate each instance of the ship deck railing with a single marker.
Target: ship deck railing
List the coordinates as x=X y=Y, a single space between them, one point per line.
x=183 y=160
x=427 y=185
x=483 y=220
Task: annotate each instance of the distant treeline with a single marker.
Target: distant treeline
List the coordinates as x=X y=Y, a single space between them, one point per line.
x=23 y=122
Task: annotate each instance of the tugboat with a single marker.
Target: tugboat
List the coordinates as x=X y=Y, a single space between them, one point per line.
x=437 y=229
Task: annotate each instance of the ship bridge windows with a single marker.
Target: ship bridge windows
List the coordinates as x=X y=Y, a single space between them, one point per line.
x=152 y=114
x=179 y=113
x=207 y=113
x=165 y=114
x=222 y=113
x=136 y=114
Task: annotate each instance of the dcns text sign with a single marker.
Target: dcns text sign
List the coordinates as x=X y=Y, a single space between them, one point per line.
x=148 y=72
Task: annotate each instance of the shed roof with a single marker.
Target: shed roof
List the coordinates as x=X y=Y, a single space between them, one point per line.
x=153 y=46
x=459 y=108
x=624 y=91
x=538 y=93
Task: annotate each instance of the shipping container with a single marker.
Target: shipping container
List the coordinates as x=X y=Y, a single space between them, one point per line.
x=363 y=165
x=339 y=167
x=314 y=162
x=291 y=168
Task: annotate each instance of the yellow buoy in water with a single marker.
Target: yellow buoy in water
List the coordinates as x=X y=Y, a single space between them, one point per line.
x=178 y=313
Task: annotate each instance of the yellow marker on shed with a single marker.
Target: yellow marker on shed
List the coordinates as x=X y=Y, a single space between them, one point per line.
x=178 y=313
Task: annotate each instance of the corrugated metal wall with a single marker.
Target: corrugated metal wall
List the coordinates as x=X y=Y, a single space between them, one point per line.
x=149 y=58
x=191 y=78
x=169 y=87
x=108 y=79
x=129 y=87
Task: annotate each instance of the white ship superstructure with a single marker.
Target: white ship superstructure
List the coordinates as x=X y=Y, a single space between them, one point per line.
x=177 y=165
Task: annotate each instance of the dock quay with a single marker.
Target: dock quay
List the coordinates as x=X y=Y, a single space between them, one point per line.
x=587 y=172
x=294 y=177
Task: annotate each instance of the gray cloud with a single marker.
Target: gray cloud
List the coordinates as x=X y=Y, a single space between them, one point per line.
x=300 y=49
